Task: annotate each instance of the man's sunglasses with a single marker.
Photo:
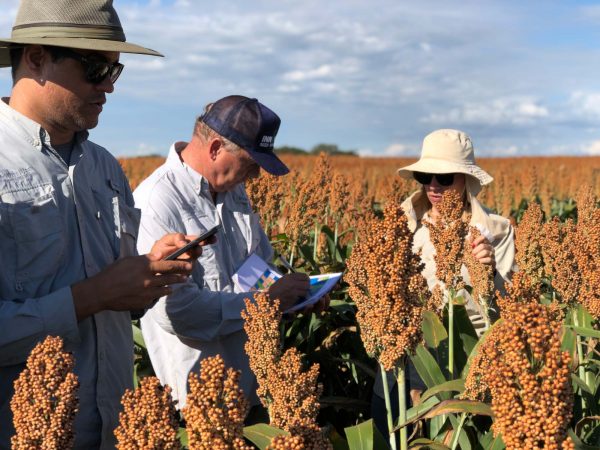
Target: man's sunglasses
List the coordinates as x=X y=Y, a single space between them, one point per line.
x=95 y=66
x=444 y=179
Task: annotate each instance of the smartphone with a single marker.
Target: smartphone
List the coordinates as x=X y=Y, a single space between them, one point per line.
x=192 y=244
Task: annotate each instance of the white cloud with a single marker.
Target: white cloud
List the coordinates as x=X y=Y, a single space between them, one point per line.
x=587 y=103
x=592 y=149
x=398 y=149
x=502 y=111
x=382 y=72
x=324 y=71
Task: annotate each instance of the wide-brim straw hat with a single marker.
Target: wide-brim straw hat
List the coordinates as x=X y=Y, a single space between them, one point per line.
x=447 y=151
x=81 y=24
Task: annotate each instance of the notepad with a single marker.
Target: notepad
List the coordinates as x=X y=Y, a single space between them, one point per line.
x=256 y=275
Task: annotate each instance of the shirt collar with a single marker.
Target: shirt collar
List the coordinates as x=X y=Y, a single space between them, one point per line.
x=181 y=169
x=30 y=129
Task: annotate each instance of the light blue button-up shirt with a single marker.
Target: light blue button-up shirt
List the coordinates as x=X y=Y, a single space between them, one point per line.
x=61 y=224
x=203 y=316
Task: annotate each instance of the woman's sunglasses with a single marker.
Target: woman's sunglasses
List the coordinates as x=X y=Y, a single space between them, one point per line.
x=444 y=179
x=95 y=66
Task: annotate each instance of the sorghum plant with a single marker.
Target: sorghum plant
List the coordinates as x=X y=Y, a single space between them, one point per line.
x=215 y=408
x=385 y=282
x=522 y=369
x=290 y=393
x=148 y=419
x=45 y=400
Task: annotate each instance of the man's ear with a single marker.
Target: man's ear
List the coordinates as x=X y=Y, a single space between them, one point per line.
x=215 y=147
x=34 y=59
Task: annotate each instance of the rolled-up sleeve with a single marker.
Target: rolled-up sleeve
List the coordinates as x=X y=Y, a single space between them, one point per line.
x=199 y=314
x=25 y=322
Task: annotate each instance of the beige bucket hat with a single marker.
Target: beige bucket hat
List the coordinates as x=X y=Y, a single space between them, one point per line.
x=83 y=24
x=447 y=151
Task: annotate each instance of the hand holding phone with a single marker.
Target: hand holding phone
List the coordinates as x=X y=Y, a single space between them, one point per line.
x=190 y=245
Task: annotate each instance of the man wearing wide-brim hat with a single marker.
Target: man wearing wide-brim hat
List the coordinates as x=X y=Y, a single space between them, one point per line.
x=68 y=225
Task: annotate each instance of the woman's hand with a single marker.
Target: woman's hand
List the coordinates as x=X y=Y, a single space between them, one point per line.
x=483 y=251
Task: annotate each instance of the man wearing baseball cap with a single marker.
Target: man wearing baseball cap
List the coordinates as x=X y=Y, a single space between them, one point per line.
x=201 y=185
x=68 y=224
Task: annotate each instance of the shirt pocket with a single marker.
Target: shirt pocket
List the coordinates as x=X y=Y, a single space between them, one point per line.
x=129 y=218
x=118 y=221
x=38 y=232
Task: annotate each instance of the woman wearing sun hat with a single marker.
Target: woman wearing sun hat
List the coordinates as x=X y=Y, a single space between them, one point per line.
x=448 y=162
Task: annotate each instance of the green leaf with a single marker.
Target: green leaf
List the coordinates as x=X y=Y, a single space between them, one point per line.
x=261 y=434
x=465 y=334
x=434 y=331
x=496 y=444
x=138 y=337
x=427 y=367
x=183 y=437
x=419 y=410
x=365 y=436
x=585 y=331
x=337 y=441
x=452 y=406
x=569 y=341
x=589 y=420
x=460 y=406
x=448 y=386
x=578 y=382
x=582 y=317
x=579 y=444
x=424 y=443
x=463 y=438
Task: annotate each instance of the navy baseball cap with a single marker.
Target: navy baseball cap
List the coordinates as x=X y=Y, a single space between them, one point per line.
x=249 y=124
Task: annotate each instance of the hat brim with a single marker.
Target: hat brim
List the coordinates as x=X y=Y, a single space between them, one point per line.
x=103 y=45
x=269 y=162
x=431 y=165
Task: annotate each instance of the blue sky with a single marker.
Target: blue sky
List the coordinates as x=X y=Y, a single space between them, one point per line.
x=522 y=78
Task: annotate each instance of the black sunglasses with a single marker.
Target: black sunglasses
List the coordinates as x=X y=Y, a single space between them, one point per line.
x=444 y=179
x=96 y=67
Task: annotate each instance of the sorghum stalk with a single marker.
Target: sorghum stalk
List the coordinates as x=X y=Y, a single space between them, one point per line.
x=580 y=368
x=456 y=433
x=388 y=407
x=451 y=334
x=401 y=383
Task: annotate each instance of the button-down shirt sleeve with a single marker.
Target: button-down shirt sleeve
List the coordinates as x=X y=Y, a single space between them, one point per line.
x=177 y=199
x=191 y=311
x=25 y=322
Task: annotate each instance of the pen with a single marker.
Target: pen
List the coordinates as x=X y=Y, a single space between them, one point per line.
x=286 y=264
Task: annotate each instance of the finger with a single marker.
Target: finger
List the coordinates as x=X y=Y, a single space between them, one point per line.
x=478 y=240
x=166 y=280
x=209 y=241
x=300 y=277
x=323 y=304
x=177 y=240
x=486 y=260
x=164 y=267
x=482 y=254
x=151 y=294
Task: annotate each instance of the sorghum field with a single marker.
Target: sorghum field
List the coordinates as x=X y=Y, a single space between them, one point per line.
x=532 y=381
